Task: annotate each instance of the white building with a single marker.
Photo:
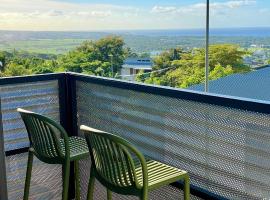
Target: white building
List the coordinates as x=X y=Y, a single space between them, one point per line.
x=132 y=66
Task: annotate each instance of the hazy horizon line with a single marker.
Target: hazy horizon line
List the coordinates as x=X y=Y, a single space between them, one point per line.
x=122 y=30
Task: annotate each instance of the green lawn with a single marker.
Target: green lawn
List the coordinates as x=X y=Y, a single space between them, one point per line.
x=47 y=46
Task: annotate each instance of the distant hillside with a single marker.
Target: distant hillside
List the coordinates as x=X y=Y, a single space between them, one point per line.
x=6 y=36
x=138 y=41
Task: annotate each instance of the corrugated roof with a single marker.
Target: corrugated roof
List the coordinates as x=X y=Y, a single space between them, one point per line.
x=138 y=63
x=254 y=85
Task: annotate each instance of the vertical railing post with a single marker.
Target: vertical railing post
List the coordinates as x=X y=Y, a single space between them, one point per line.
x=68 y=119
x=3 y=177
x=68 y=104
x=73 y=105
x=207 y=48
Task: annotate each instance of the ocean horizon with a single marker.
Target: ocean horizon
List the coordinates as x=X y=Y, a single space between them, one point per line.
x=248 y=32
x=199 y=32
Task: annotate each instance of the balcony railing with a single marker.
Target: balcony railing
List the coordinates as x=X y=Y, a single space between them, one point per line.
x=223 y=142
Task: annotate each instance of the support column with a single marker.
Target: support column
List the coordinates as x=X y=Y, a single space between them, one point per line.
x=3 y=177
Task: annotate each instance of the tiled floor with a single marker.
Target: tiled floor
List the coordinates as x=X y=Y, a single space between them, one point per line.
x=46 y=182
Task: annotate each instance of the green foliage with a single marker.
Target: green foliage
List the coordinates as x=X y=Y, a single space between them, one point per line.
x=103 y=57
x=2 y=61
x=142 y=76
x=165 y=58
x=22 y=63
x=98 y=68
x=47 y=66
x=183 y=69
x=219 y=72
x=226 y=54
x=131 y=54
x=13 y=69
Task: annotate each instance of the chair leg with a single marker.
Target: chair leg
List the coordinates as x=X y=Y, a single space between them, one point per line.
x=109 y=194
x=28 y=176
x=144 y=196
x=90 y=192
x=65 y=179
x=77 y=180
x=187 y=188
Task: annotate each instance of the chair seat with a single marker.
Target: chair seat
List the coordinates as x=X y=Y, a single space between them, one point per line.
x=78 y=148
x=159 y=174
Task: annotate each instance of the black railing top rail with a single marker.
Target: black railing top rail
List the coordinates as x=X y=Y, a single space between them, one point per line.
x=31 y=78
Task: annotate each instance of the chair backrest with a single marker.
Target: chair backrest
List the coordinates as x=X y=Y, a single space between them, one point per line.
x=114 y=158
x=46 y=136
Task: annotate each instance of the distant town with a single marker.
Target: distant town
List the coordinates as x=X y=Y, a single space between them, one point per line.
x=259 y=56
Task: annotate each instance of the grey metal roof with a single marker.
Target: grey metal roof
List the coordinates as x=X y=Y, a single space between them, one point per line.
x=138 y=63
x=254 y=85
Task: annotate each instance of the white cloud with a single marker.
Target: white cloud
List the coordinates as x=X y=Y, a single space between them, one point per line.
x=101 y=13
x=200 y=7
x=60 y=15
x=235 y=4
x=55 y=13
x=163 y=9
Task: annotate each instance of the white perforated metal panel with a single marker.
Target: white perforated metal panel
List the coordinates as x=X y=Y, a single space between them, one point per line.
x=41 y=97
x=225 y=150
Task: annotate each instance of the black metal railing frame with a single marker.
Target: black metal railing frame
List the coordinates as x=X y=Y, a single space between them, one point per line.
x=68 y=108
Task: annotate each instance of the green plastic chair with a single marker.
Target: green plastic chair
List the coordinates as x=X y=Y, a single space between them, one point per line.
x=121 y=168
x=50 y=143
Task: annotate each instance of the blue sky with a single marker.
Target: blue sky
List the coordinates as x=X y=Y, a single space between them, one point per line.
x=83 y=15
x=138 y=2
x=153 y=2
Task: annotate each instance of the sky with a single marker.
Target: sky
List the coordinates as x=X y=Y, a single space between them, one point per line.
x=86 y=15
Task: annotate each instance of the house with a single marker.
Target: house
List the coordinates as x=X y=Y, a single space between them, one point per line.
x=254 y=85
x=133 y=66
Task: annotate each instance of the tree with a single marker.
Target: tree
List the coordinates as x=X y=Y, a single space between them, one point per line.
x=90 y=57
x=164 y=59
x=219 y=72
x=96 y=58
x=110 y=49
x=2 y=61
x=129 y=53
x=183 y=69
x=97 y=68
x=144 y=55
x=48 y=66
x=142 y=76
x=24 y=63
x=14 y=69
